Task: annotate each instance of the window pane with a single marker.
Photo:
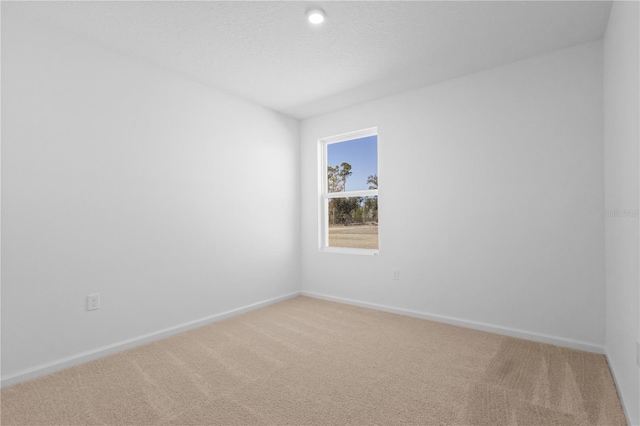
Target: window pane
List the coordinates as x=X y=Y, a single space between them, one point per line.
x=353 y=222
x=353 y=165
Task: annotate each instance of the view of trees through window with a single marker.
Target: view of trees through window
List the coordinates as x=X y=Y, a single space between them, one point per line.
x=354 y=210
x=352 y=192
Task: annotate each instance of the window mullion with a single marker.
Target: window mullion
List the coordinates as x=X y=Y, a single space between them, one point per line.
x=348 y=194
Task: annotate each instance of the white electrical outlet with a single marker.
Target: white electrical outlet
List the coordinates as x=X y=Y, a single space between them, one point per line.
x=396 y=274
x=93 y=302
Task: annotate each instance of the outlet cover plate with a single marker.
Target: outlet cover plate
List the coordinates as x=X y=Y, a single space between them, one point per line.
x=93 y=302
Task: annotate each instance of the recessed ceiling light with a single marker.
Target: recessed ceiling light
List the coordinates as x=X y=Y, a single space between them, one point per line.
x=316 y=16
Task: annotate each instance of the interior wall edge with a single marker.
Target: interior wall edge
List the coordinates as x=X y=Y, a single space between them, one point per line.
x=81 y=358
x=476 y=325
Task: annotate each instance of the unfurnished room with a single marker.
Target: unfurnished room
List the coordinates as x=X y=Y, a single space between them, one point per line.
x=320 y=213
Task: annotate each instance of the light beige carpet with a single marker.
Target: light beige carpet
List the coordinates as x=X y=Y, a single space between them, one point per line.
x=307 y=361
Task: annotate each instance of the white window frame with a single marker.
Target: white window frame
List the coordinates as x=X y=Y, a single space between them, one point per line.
x=324 y=195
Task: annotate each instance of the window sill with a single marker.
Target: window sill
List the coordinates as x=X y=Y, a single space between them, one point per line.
x=346 y=250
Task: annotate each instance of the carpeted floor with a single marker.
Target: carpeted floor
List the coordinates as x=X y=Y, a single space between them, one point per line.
x=306 y=361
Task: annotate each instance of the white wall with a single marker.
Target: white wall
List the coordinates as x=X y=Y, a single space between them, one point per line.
x=173 y=201
x=621 y=140
x=491 y=201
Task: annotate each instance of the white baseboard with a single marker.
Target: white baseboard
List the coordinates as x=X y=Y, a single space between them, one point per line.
x=70 y=361
x=615 y=381
x=512 y=332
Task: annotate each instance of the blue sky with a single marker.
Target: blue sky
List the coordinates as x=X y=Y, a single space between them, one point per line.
x=362 y=154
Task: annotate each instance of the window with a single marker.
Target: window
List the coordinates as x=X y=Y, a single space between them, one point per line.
x=349 y=193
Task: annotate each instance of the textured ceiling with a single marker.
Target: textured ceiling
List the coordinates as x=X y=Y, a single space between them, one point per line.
x=267 y=52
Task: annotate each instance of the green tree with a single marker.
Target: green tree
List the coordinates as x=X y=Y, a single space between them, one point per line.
x=333 y=179
x=337 y=182
x=337 y=177
x=372 y=180
x=346 y=208
x=344 y=173
x=371 y=209
x=371 y=203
